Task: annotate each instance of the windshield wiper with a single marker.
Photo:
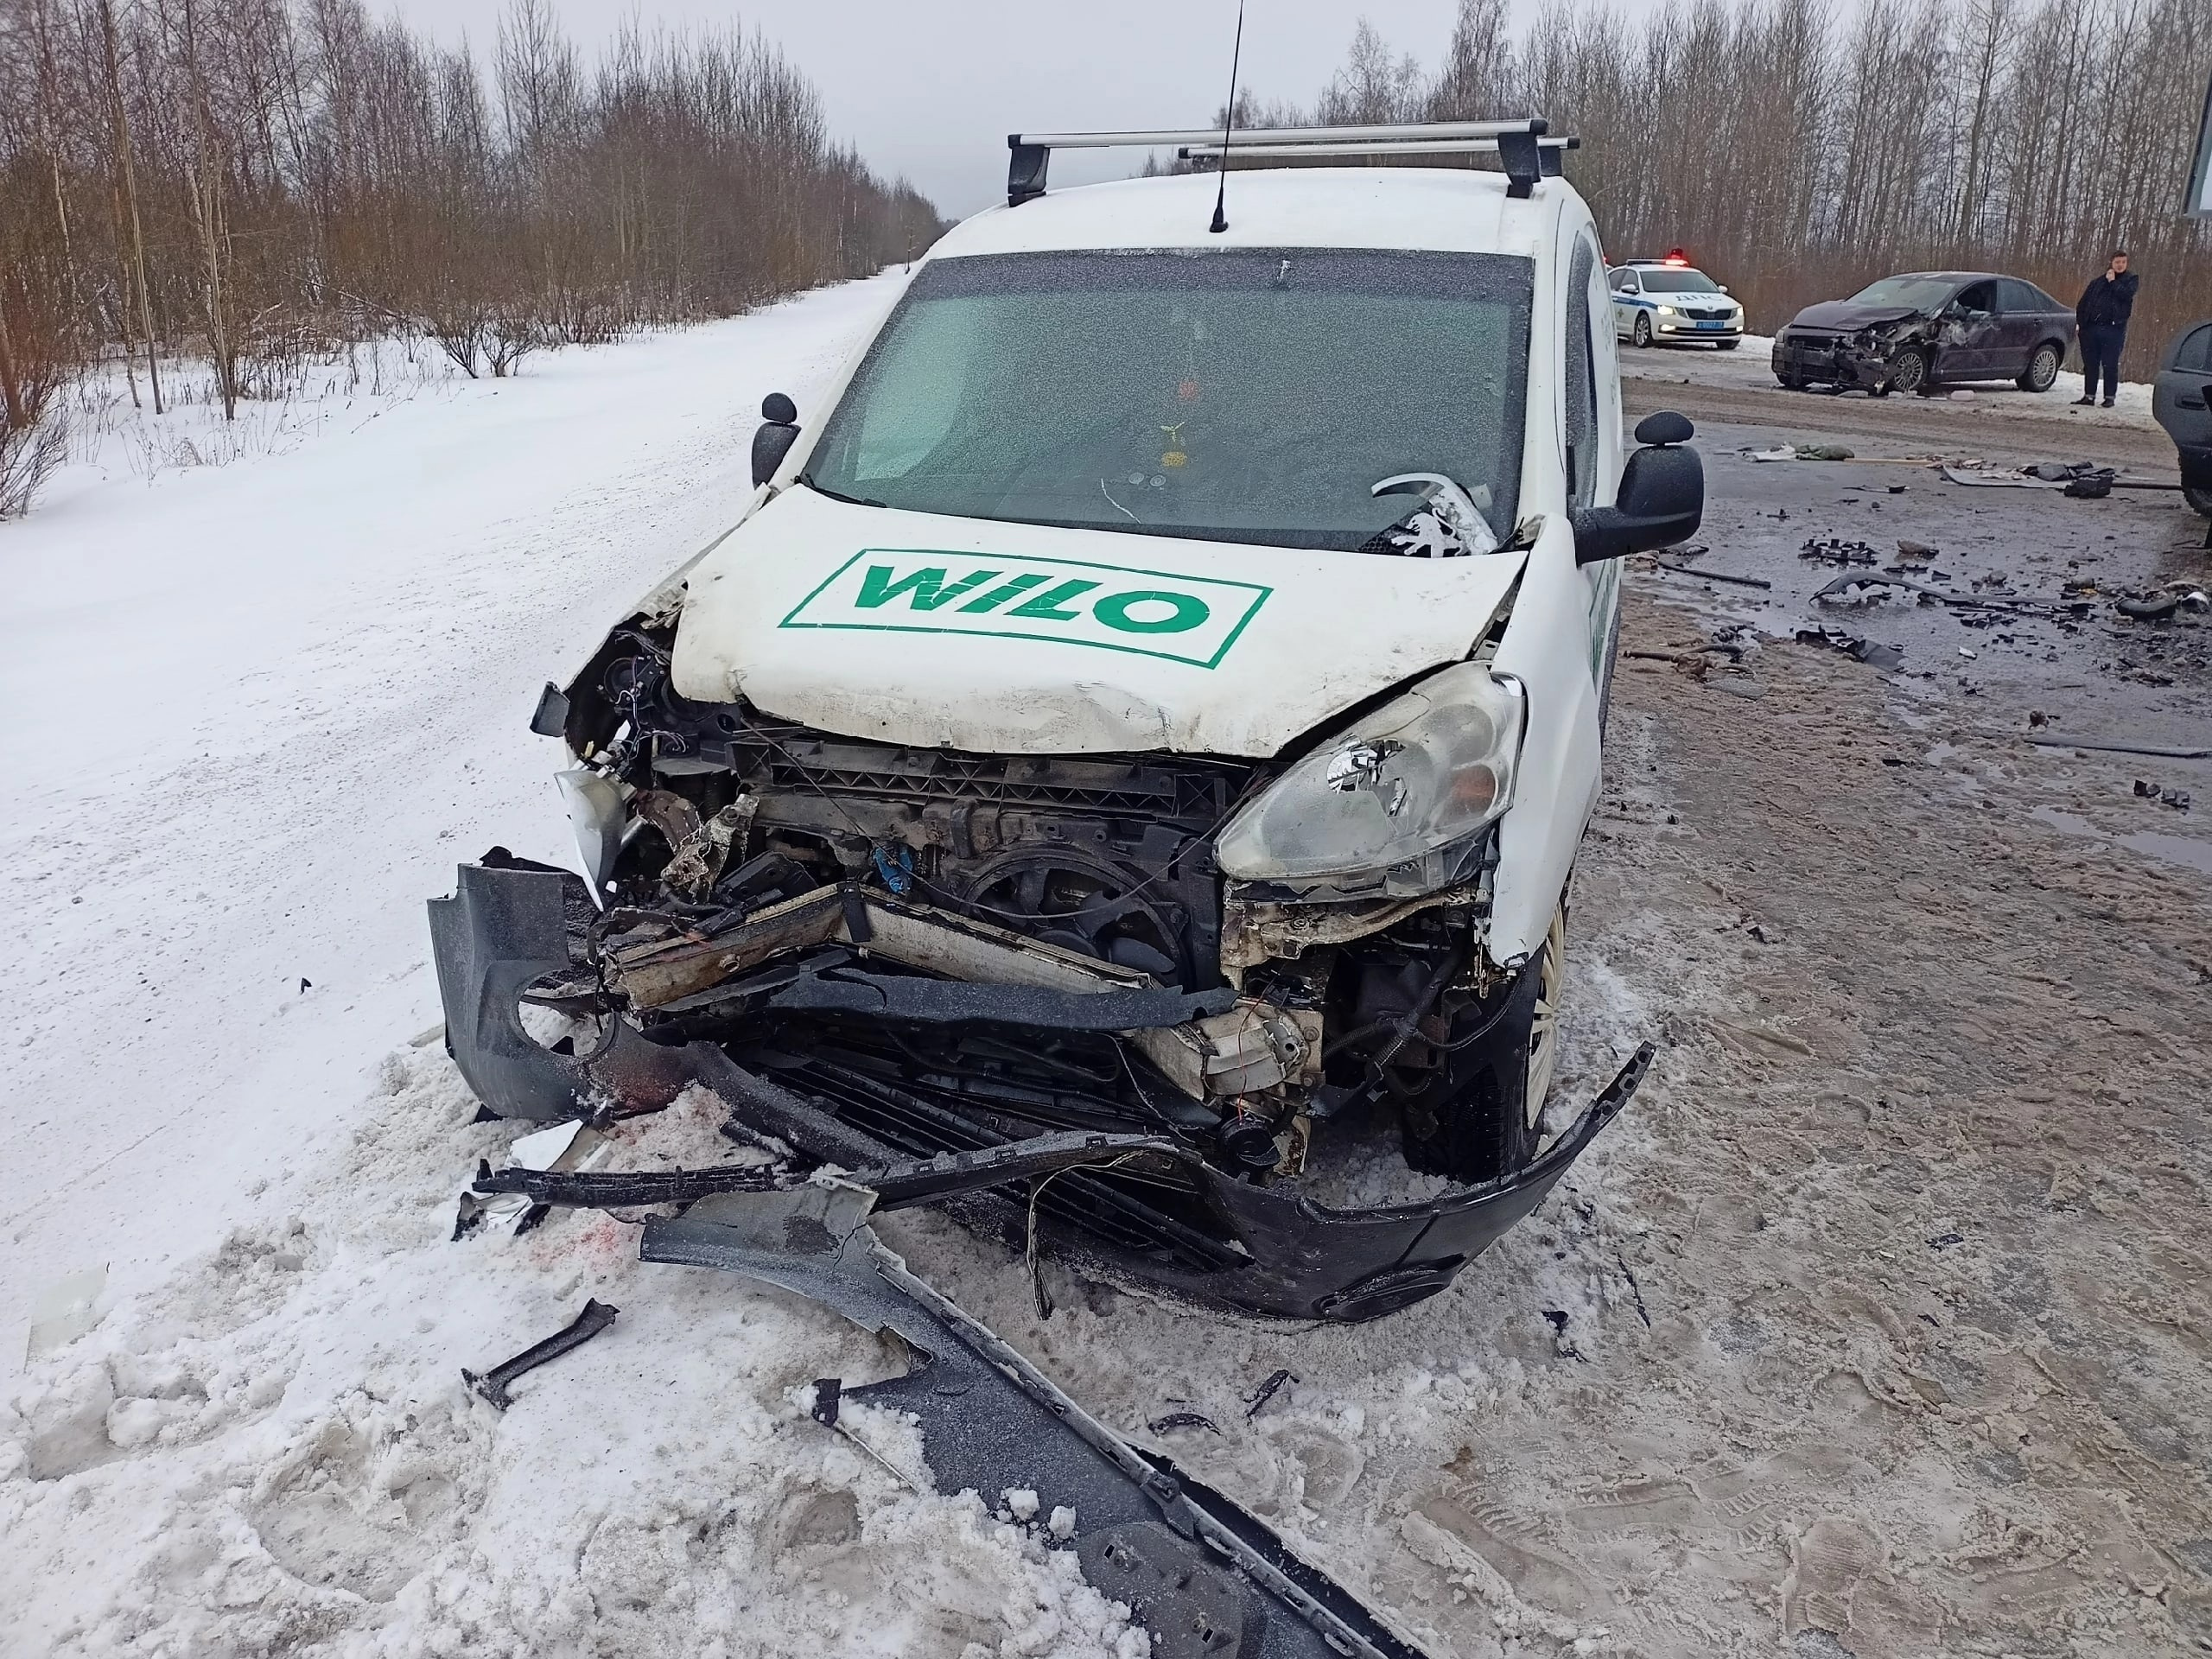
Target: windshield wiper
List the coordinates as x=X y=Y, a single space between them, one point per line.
x=839 y=495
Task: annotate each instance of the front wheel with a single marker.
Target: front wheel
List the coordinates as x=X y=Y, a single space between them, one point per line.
x=1907 y=370
x=1642 y=332
x=2198 y=498
x=2042 y=372
x=1481 y=1116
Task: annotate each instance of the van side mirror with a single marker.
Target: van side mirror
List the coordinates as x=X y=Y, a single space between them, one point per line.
x=778 y=431
x=1660 y=500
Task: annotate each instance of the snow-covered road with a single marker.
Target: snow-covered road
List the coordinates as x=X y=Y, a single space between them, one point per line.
x=256 y=714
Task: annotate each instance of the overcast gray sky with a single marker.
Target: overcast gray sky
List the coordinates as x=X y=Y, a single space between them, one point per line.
x=930 y=88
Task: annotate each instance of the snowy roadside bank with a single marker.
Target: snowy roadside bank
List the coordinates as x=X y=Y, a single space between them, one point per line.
x=257 y=714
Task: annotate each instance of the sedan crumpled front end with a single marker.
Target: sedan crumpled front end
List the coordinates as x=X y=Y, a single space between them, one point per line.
x=1859 y=359
x=1273 y=972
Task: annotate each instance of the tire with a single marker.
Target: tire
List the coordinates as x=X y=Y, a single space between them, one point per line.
x=1484 y=1117
x=1791 y=382
x=1908 y=371
x=2200 y=498
x=1728 y=345
x=2042 y=372
x=1641 y=332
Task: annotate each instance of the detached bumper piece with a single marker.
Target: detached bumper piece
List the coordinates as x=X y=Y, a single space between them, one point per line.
x=1208 y=1579
x=1149 y=1208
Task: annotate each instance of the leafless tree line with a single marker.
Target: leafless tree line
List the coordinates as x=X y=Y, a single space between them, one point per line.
x=244 y=182
x=1801 y=149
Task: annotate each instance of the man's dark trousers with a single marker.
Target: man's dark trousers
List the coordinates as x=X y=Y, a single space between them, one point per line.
x=2100 y=344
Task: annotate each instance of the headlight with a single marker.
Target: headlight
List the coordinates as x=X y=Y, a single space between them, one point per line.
x=1398 y=799
x=1666 y=310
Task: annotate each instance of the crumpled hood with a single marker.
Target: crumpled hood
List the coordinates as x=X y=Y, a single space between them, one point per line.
x=1002 y=638
x=1848 y=316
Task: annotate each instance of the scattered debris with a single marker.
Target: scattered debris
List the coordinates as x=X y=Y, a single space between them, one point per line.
x=1149 y=1533
x=1835 y=551
x=1872 y=653
x=1266 y=1391
x=1917 y=552
x=2149 y=610
x=1854 y=590
x=1800 y=451
x=2177 y=799
x=1710 y=576
x=1968 y=652
x=564 y=1147
x=1175 y=1419
x=2155 y=751
x=492 y=1385
x=829 y=1395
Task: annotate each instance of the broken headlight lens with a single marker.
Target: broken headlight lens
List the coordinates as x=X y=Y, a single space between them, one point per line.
x=1398 y=800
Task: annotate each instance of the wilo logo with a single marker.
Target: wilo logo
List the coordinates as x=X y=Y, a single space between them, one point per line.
x=1067 y=601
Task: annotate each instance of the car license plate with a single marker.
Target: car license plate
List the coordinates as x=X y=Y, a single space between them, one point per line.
x=1713 y=325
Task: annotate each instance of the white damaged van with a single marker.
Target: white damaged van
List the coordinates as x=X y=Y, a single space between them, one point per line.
x=1130 y=756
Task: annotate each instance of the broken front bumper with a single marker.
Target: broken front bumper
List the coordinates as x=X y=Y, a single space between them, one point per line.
x=1834 y=360
x=1265 y=1248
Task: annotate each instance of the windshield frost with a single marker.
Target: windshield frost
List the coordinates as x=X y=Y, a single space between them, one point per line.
x=1250 y=396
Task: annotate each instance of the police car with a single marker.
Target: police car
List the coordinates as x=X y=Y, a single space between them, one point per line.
x=1670 y=301
x=1139 y=730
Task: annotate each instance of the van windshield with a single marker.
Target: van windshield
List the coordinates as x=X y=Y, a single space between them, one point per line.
x=1252 y=395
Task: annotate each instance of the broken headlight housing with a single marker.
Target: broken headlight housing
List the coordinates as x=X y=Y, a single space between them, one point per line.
x=1398 y=803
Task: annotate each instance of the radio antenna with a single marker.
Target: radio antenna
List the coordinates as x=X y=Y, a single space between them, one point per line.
x=1228 y=118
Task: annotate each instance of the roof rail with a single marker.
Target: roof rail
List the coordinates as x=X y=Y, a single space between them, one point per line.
x=1516 y=142
x=1548 y=151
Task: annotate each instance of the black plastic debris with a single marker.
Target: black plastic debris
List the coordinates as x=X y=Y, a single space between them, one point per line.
x=1833 y=549
x=492 y=1384
x=1207 y=1577
x=1266 y=1391
x=2177 y=799
x=829 y=1395
x=1175 y=1419
x=1873 y=652
x=2157 y=608
x=1710 y=576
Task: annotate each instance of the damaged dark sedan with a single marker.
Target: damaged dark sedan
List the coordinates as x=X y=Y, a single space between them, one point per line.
x=1134 y=745
x=1925 y=330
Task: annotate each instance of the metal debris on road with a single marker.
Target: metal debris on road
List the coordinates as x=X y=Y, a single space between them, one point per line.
x=492 y=1385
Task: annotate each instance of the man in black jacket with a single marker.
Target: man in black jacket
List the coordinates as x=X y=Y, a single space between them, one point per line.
x=2102 y=315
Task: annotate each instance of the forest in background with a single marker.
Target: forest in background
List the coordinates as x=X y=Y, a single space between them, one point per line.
x=1799 y=150
x=250 y=184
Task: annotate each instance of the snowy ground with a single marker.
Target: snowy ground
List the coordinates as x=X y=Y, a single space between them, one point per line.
x=1876 y=1327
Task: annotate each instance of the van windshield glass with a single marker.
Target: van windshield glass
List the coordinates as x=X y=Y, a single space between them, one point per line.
x=1252 y=395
